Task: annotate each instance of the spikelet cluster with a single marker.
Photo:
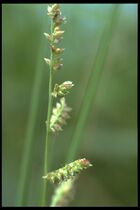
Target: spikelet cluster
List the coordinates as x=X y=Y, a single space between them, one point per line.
x=59 y=115
x=62 y=89
x=68 y=172
x=63 y=194
x=56 y=36
x=61 y=112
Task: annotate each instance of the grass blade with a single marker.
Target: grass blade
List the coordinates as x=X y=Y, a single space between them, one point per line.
x=25 y=171
x=93 y=82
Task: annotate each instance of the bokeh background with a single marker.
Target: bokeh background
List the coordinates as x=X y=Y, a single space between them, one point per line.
x=110 y=135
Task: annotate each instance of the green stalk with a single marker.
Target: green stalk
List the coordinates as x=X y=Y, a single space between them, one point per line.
x=25 y=172
x=93 y=84
x=46 y=156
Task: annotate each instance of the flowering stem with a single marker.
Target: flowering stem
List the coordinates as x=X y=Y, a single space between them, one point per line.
x=59 y=115
x=46 y=157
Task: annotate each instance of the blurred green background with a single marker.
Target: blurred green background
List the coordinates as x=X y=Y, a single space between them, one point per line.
x=110 y=135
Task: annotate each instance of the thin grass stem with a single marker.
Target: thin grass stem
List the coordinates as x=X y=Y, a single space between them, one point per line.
x=46 y=156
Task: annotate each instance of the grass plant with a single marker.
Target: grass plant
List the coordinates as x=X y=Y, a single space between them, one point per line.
x=58 y=112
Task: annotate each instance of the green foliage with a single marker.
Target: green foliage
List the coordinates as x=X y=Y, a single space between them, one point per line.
x=93 y=81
